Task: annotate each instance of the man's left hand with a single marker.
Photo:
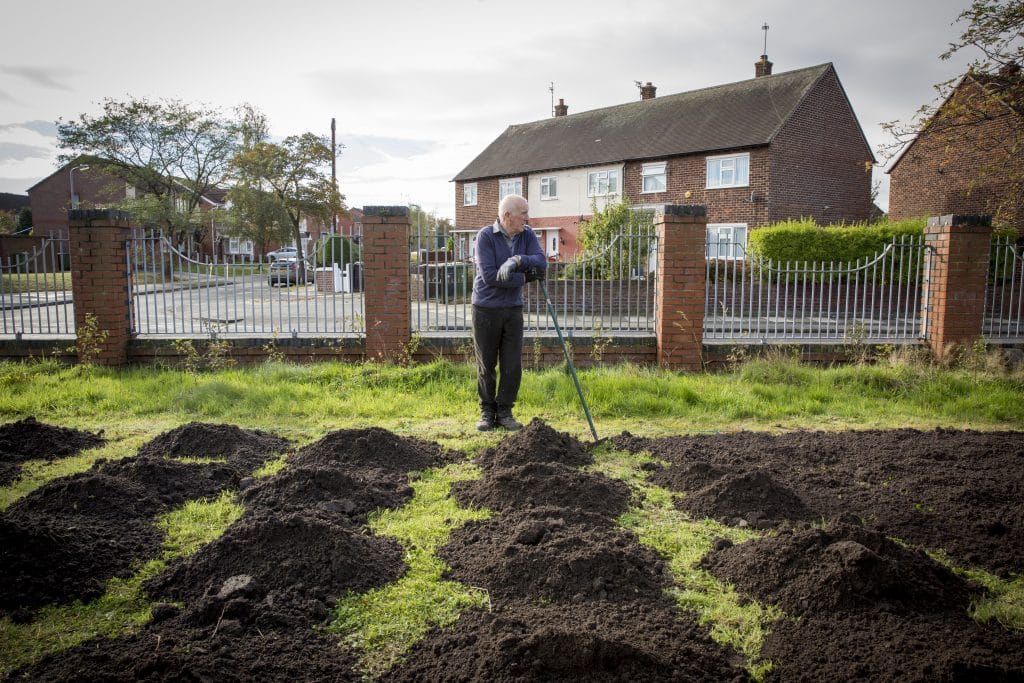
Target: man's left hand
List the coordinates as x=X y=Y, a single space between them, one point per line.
x=510 y=264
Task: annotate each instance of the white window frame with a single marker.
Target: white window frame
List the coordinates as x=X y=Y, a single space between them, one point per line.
x=469 y=194
x=653 y=171
x=731 y=248
x=609 y=178
x=728 y=170
x=548 y=188
x=507 y=186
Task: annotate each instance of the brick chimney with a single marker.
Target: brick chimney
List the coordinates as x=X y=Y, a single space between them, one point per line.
x=762 y=67
x=647 y=91
x=561 y=109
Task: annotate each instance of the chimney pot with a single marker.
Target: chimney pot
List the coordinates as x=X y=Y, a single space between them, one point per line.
x=561 y=109
x=762 y=67
x=647 y=91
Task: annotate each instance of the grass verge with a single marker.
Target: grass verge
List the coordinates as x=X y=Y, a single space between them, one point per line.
x=383 y=624
x=123 y=607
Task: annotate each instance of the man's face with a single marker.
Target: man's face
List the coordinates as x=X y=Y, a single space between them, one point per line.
x=513 y=221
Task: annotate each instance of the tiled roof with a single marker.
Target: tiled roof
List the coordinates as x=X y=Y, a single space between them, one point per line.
x=13 y=202
x=735 y=115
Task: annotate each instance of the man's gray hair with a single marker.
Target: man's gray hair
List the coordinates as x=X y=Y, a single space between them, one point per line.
x=509 y=202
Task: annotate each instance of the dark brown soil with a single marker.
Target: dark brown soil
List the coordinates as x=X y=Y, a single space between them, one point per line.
x=245 y=449
x=587 y=642
x=29 y=439
x=539 y=484
x=554 y=554
x=573 y=596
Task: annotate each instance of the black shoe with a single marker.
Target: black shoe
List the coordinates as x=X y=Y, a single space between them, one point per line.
x=487 y=420
x=506 y=420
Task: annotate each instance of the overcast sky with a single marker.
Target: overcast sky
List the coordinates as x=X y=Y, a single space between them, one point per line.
x=420 y=88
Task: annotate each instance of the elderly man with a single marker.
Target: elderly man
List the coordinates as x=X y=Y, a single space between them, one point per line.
x=505 y=253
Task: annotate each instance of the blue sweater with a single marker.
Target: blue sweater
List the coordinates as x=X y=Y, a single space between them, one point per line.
x=492 y=250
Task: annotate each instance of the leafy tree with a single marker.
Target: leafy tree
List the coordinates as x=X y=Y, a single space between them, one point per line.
x=431 y=227
x=24 y=220
x=172 y=152
x=7 y=223
x=990 y=93
x=616 y=240
x=295 y=172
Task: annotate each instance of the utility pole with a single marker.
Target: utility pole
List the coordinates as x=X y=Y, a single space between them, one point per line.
x=334 y=176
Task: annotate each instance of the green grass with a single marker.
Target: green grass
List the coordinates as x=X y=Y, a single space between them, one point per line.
x=21 y=283
x=682 y=541
x=1004 y=601
x=384 y=623
x=123 y=607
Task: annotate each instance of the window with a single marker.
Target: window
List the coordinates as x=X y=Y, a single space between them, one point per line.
x=549 y=188
x=653 y=177
x=129 y=191
x=469 y=194
x=729 y=171
x=509 y=186
x=600 y=183
x=727 y=240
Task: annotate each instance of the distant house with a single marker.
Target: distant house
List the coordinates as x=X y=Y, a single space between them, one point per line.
x=78 y=184
x=753 y=152
x=967 y=157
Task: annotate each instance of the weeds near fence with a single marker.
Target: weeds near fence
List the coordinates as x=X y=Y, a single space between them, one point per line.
x=90 y=340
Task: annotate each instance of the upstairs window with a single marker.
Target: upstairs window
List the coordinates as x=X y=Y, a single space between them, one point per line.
x=654 y=177
x=728 y=171
x=509 y=186
x=469 y=194
x=549 y=188
x=602 y=183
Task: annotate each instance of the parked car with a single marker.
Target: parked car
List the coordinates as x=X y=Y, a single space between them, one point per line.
x=282 y=253
x=285 y=271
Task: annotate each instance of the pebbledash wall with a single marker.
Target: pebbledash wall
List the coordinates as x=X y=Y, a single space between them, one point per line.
x=954 y=299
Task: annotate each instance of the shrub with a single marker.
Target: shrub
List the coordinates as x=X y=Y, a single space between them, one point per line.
x=337 y=249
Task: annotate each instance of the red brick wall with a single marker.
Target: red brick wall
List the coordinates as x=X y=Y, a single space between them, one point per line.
x=689 y=174
x=51 y=198
x=820 y=162
x=953 y=169
x=679 y=294
x=486 y=209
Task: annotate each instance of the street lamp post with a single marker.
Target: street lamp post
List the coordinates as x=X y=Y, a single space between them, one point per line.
x=71 y=180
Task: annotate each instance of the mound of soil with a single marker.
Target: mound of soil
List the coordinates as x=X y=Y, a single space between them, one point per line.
x=554 y=554
x=536 y=442
x=373 y=448
x=882 y=646
x=172 y=482
x=28 y=439
x=585 y=642
x=354 y=493
x=808 y=571
x=10 y=472
x=101 y=497
x=954 y=490
x=245 y=449
x=46 y=559
x=170 y=652
x=539 y=484
x=292 y=565
x=743 y=499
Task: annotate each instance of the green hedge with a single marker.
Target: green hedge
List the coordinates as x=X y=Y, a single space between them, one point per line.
x=337 y=249
x=804 y=240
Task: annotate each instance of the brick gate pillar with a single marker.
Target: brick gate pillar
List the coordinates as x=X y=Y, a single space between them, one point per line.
x=955 y=286
x=679 y=288
x=99 y=280
x=386 y=280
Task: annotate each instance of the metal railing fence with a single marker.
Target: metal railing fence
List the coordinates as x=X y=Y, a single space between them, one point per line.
x=870 y=300
x=35 y=291
x=1004 y=292
x=608 y=292
x=238 y=296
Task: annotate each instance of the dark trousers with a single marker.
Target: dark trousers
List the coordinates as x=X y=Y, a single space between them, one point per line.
x=498 y=339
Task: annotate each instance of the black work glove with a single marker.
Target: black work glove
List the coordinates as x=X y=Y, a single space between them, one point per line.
x=532 y=274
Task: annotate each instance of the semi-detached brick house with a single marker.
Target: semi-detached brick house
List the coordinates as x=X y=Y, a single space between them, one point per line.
x=966 y=159
x=754 y=152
